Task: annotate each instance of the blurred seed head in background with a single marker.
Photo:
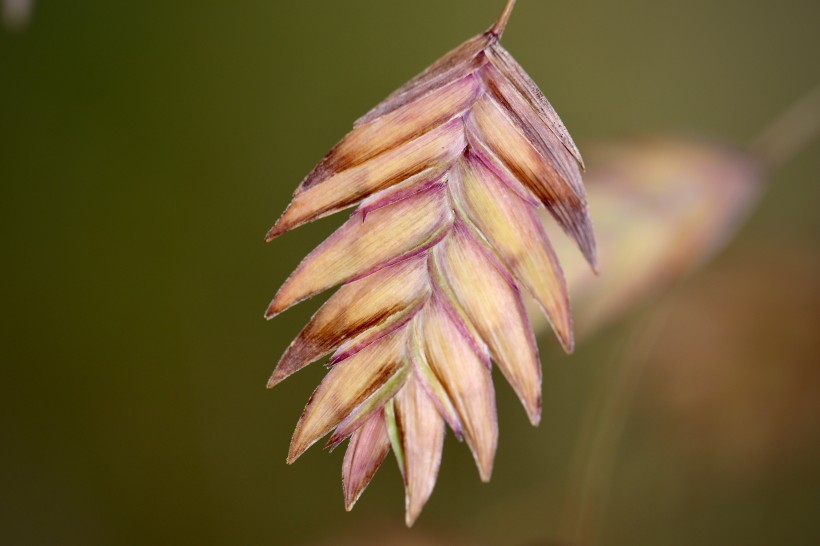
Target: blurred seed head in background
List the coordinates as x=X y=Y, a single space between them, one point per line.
x=16 y=13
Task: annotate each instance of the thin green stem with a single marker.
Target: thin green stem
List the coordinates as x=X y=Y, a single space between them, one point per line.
x=593 y=465
x=790 y=132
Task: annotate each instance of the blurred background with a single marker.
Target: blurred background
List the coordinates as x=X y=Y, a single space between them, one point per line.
x=146 y=147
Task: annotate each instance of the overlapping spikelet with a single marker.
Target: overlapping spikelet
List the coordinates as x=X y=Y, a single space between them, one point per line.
x=449 y=174
x=663 y=206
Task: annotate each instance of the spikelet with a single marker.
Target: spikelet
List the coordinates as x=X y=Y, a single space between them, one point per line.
x=663 y=206
x=449 y=174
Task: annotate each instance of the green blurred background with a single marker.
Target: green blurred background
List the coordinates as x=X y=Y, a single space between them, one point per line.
x=145 y=149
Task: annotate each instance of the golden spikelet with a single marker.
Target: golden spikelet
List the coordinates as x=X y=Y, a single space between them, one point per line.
x=449 y=174
x=663 y=206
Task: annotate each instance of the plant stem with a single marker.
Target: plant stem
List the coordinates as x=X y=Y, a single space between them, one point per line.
x=593 y=465
x=790 y=132
x=501 y=23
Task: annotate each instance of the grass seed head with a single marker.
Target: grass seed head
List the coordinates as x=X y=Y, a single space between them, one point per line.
x=449 y=175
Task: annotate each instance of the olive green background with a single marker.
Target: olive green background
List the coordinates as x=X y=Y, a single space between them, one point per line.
x=146 y=147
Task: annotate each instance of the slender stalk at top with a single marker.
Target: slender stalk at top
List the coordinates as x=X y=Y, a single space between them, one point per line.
x=498 y=27
x=790 y=132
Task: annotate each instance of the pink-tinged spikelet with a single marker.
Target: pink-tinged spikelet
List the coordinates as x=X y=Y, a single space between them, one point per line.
x=449 y=174
x=663 y=205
